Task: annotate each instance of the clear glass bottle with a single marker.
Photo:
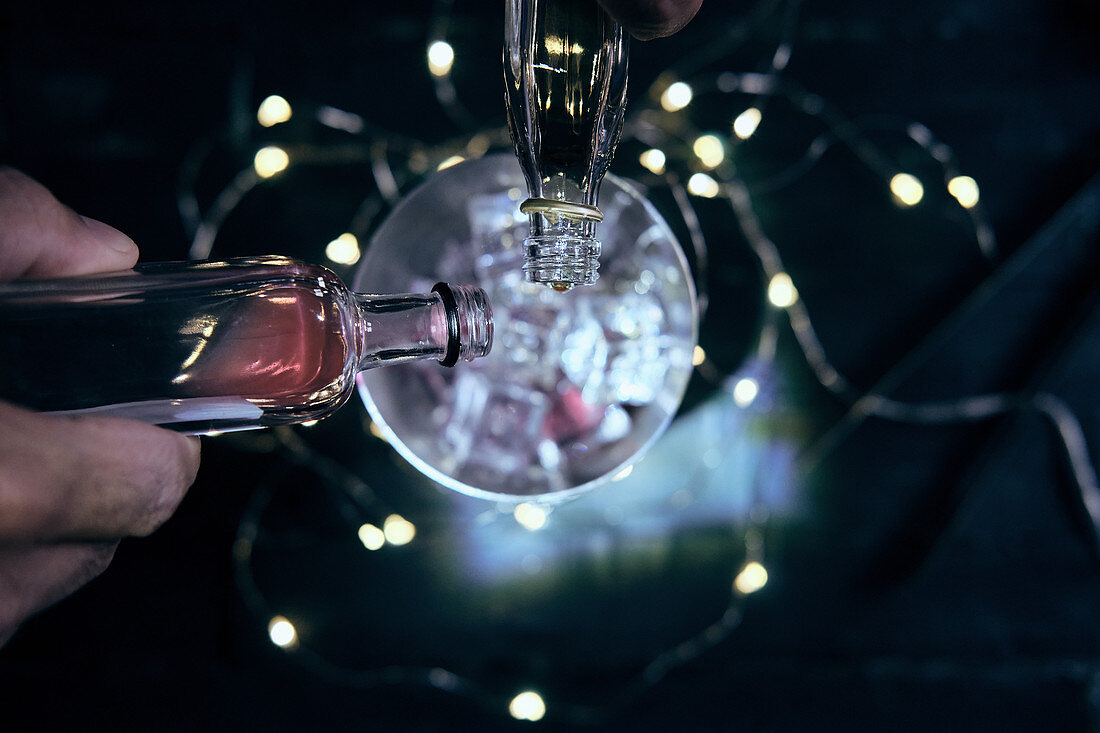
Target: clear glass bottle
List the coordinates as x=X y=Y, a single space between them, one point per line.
x=565 y=70
x=215 y=346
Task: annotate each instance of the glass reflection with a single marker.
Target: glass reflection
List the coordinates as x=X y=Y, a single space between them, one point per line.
x=577 y=385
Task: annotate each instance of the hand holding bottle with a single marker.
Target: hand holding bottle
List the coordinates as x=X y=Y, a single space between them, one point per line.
x=649 y=19
x=71 y=488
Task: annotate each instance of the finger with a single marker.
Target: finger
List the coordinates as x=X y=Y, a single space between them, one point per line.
x=34 y=578
x=649 y=19
x=88 y=478
x=41 y=237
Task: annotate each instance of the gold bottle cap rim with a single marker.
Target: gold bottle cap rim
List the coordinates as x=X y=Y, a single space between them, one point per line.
x=567 y=209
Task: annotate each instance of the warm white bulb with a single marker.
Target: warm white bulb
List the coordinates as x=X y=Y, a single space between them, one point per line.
x=623 y=473
x=441 y=56
x=281 y=632
x=907 y=189
x=677 y=96
x=372 y=537
x=344 y=250
x=710 y=150
x=530 y=516
x=273 y=111
x=377 y=431
x=527 y=705
x=703 y=185
x=270 y=160
x=746 y=123
x=698 y=356
x=653 y=160
x=745 y=391
x=752 y=578
x=453 y=160
x=965 y=190
x=398 y=530
x=781 y=291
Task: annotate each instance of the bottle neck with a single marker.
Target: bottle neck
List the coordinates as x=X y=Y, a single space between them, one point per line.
x=565 y=72
x=448 y=325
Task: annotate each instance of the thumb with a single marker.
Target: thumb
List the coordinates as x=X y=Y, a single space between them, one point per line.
x=41 y=237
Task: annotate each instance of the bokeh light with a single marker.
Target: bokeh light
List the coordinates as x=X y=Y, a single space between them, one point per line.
x=530 y=516
x=907 y=190
x=710 y=150
x=453 y=160
x=398 y=530
x=965 y=191
x=344 y=250
x=527 y=705
x=441 y=57
x=781 y=291
x=753 y=577
x=372 y=537
x=677 y=96
x=623 y=473
x=282 y=633
x=745 y=124
x=653 y=160
x=745 y=391
x=703 y=185
x=270 y=161
x=273 y=111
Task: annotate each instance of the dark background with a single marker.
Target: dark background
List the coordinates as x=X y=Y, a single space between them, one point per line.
x=920 y=575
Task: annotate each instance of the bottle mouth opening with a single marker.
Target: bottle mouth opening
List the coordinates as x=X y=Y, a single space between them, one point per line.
x=469 y=322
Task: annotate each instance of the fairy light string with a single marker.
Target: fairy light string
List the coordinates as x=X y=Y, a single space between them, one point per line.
x=746 y=578
x=441 y=57
x=395 y=160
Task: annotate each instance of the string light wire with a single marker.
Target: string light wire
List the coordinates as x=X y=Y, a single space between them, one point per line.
x=202 y=242
x=350 y=488
x=442 y=83
x=698 y=242
x=379 y=147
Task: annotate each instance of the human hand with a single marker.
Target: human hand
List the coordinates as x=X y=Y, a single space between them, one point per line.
x=71 y=487
x=649 y=19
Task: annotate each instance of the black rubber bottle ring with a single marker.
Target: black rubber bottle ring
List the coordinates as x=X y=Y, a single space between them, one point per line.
x=450 y=306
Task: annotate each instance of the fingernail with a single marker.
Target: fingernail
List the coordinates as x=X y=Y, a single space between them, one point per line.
x=110 y=236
